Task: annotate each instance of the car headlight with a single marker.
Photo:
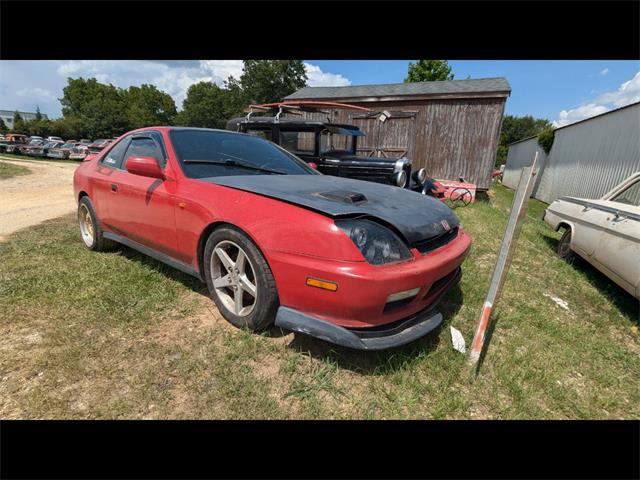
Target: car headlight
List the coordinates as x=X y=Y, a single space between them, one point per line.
x=400 y=178
x=378 y=244
x=420 y=176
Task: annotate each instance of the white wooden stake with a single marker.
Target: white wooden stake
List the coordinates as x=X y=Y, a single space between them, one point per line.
x=509 y=240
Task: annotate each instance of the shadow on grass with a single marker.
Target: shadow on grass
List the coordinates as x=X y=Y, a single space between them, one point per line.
x=374 y=362
x=174 y=274
x=624 y=302
x=384 y=361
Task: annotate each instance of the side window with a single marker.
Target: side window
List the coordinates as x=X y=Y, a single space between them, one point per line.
x=266 y=134
x=113 y=158
x=630 y=196
x=298 y=142
x=145 y=147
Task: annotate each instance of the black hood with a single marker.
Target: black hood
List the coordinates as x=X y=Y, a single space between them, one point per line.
x=416 y=217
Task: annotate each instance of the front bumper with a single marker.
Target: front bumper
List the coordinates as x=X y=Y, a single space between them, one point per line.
x=391 y=335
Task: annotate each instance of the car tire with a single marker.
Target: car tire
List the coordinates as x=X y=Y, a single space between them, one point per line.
x=90 y=230
x=564 y=245
x=231 y=292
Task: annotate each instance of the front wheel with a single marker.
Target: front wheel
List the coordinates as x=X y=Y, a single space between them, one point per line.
x=240 y=280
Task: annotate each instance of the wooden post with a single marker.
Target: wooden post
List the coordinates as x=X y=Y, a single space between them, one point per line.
x=509 y=240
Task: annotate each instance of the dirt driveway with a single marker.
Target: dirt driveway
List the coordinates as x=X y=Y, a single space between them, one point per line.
x=47 y=192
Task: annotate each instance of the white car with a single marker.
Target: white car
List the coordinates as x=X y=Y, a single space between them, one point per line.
x=605 y=232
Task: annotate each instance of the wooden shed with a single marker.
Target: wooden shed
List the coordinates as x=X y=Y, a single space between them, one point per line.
x=451 y=128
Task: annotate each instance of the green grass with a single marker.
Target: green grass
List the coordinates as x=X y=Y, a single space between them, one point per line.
x=117 y=335
x=9 y=170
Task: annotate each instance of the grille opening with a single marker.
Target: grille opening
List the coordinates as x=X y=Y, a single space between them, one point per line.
x=389 y=306
x=441 y=281
x=434 y=243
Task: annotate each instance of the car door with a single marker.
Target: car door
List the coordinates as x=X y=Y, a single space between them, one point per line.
x=103 y=191
x=142 y=208
x=589 y=221
x=618 y=248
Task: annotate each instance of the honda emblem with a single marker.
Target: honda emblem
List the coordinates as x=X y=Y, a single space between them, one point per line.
x=445 y=224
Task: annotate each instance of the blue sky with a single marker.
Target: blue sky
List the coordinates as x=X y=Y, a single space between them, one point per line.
x=561 y=91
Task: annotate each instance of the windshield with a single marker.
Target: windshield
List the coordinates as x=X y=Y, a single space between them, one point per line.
x=335 y=142
x=68 y=145
x=211 y=153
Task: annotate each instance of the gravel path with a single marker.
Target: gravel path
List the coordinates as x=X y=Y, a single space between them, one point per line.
x=26 y=200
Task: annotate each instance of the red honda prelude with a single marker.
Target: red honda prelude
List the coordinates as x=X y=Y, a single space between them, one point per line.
x=351 y=262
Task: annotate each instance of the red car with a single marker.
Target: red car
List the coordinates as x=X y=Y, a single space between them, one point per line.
x=355 y=263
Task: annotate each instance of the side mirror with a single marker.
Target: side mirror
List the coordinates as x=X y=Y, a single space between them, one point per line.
x=144 y=166
x=313 y=165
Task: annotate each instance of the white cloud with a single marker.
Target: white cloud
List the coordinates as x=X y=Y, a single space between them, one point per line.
x=36 y=94
x=175 y=80
x=627 y=93
x=318 y=78
x=604 y=71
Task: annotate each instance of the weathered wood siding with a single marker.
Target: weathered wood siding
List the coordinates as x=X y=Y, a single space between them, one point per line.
x=451 y=138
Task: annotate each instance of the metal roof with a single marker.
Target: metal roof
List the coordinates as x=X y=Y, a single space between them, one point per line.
x=479 y=85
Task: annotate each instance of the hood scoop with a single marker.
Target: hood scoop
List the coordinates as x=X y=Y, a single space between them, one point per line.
x=352 y=198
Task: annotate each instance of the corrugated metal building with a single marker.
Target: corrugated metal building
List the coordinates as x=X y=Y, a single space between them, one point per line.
x=451 y=128
x=588 y=158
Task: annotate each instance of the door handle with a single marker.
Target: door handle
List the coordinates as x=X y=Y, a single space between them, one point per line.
x=114 y=187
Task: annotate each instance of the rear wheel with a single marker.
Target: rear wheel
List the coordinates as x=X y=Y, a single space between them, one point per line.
x=240 y=280
x=564 y=246
x=90 y=230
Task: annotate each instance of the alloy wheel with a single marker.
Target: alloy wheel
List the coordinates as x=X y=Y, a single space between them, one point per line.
x=234 y=278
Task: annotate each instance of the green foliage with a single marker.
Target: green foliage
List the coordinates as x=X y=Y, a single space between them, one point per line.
x=518 y=128
x=38 y=114
x=147 y=106
x=428 y=71
x=19 y=125
x=204 y=106
x=265 y=81
x=100 y=108
x=545 y=139
x=3 y=127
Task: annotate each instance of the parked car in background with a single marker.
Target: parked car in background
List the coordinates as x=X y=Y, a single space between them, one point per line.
x=12 y=142
x=329 y=147
x=355 y=263
x=79 y=152
x=54 y=139
x=43 y=149
x=85 y=141
x=99 y=144
x=34 y=144
x=605 y=232
x=63 y=151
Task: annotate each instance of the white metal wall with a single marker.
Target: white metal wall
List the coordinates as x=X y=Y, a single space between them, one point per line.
x=521 y=155
x=587 y=159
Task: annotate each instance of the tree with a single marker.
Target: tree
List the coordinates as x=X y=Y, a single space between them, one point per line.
x=545 y=139
x=204 y=106
x=515 y=129
x=3 y=127
x=265 y=81
x=19 y=125
x=38 y=114
x=99 y=109
x=147 y=106
x=429 y=71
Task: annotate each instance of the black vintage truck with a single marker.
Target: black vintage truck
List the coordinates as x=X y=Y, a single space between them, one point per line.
x=329 y=147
